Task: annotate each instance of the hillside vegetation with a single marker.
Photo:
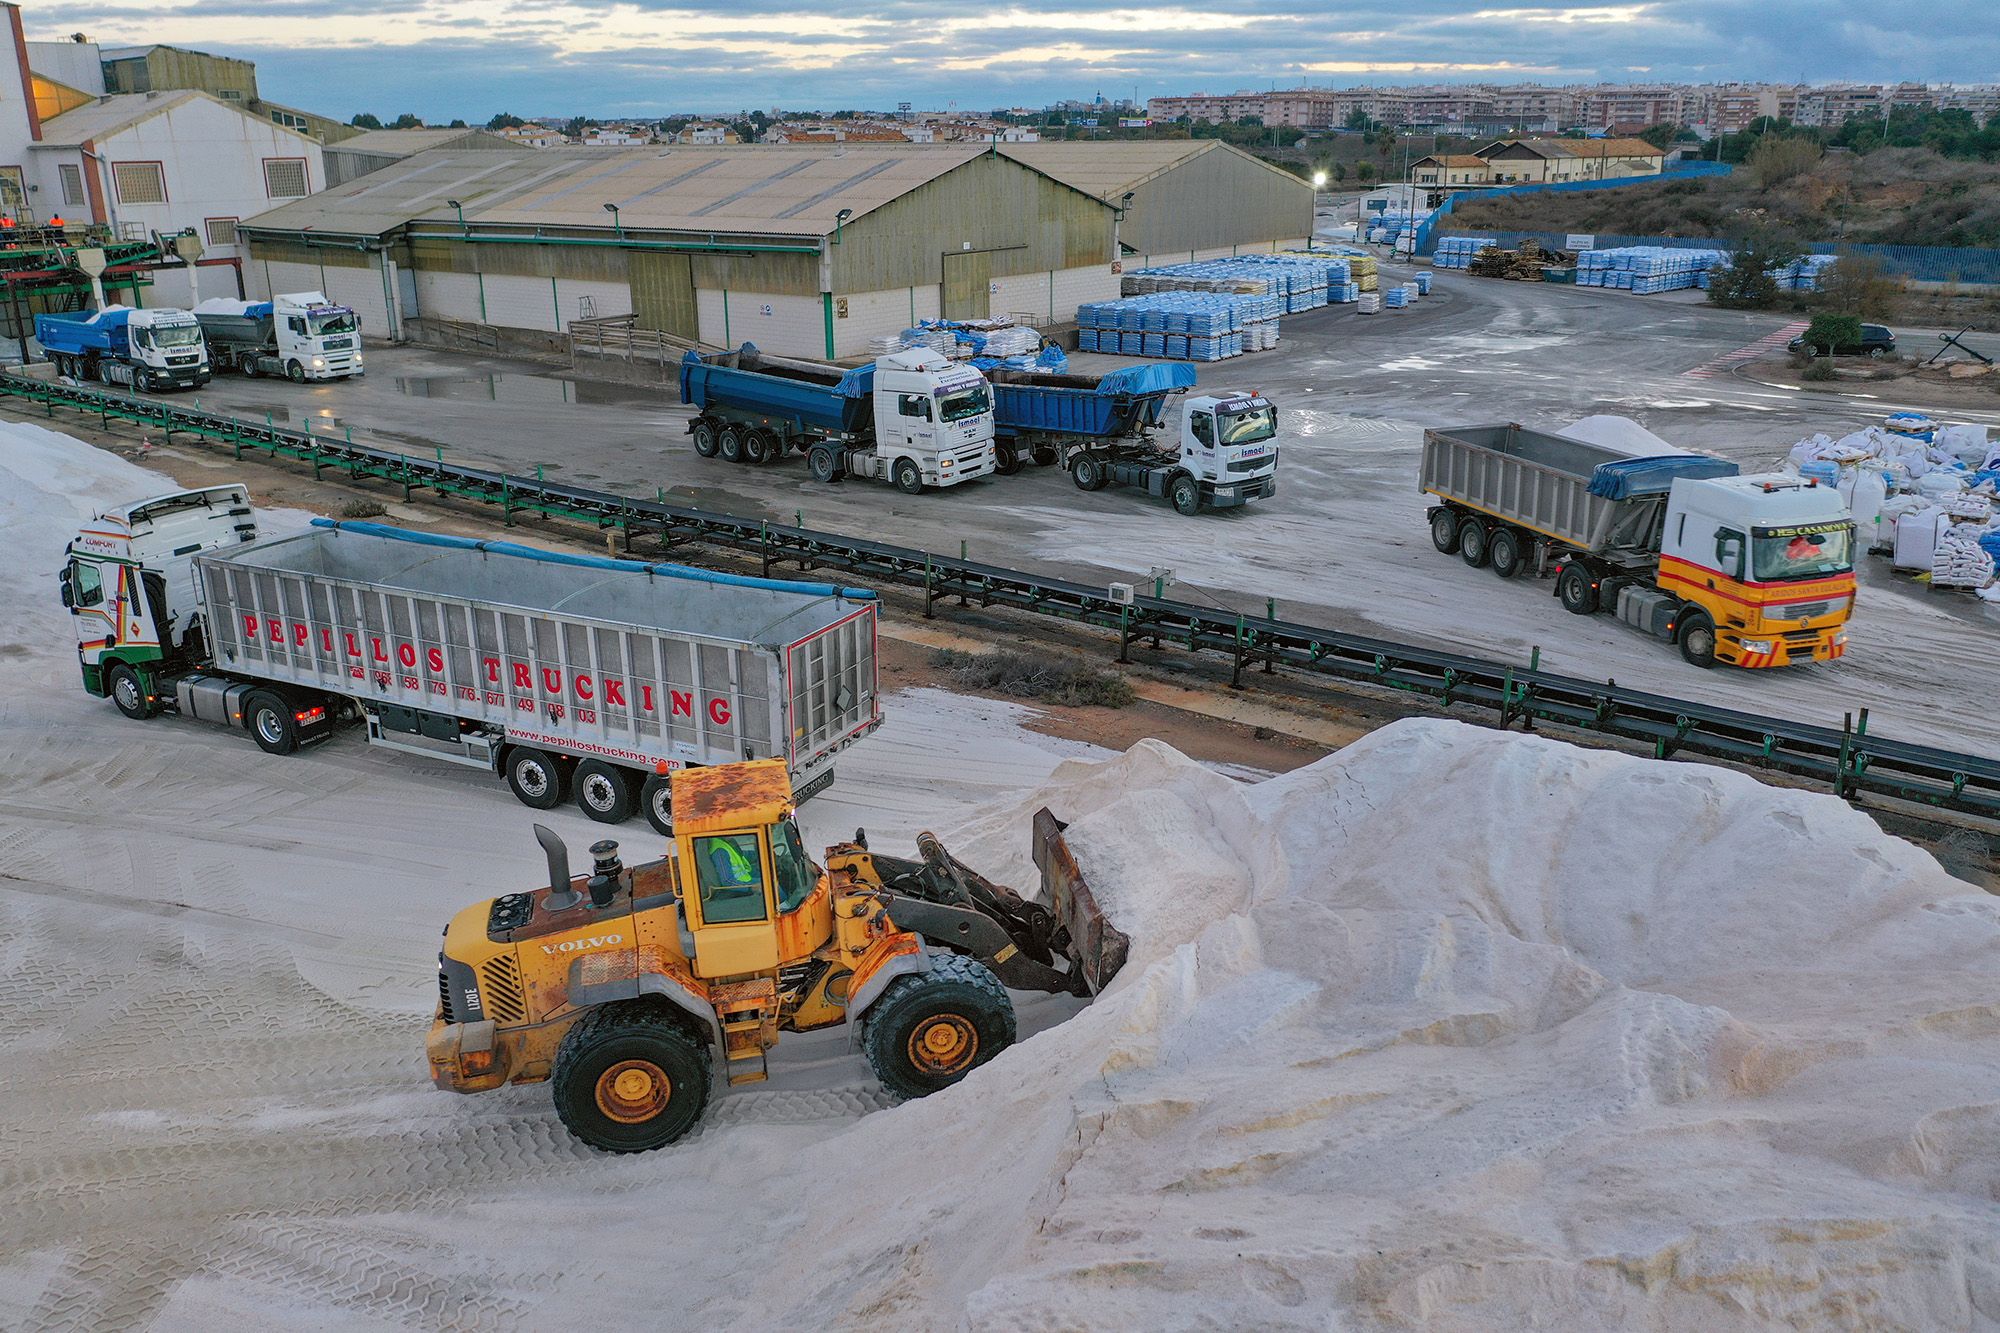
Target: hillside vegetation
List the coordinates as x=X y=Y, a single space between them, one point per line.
x=1893 y=196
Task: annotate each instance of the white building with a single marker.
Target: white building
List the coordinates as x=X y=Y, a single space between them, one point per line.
x=164 y=162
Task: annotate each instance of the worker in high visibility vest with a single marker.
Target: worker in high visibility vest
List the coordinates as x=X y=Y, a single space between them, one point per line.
x=56 y=222
x=7 y=229
x=732 y=867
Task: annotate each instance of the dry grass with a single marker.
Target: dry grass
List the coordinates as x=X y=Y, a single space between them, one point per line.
x=1042 y=679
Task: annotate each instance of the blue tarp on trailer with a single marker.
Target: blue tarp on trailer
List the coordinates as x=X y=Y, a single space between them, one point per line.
x=1631 y=477
x=1152 y=377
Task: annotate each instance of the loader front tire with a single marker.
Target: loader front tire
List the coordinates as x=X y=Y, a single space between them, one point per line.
x=931 y=1029
x=629 y=1077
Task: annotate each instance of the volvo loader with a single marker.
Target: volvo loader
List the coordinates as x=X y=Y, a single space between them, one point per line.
x=633 y=988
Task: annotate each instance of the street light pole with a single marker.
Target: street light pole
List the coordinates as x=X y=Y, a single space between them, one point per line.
x=616 y=225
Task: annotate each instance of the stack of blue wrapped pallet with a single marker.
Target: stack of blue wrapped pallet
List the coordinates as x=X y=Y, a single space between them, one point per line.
x=1301 y=281
x=1457 y=251
x=1646 y=269
x=1180 y=325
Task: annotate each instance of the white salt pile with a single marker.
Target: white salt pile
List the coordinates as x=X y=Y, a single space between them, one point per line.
x=1457 y=1029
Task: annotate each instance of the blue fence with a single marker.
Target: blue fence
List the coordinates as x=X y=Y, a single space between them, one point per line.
x=1426 y=240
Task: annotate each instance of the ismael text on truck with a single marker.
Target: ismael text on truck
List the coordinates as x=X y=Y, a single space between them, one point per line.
x=562 y=673
x=1753 y=571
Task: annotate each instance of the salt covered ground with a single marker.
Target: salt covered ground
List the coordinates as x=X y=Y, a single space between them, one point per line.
x=1453 y=1029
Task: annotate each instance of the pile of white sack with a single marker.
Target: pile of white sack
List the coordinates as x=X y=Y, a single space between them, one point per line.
x=1926 y=494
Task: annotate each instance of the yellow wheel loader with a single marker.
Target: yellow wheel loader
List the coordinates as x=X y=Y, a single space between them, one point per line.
x=632 y=988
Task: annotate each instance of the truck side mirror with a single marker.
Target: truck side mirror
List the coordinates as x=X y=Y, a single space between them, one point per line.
x=68 y=597
x=1729 y=551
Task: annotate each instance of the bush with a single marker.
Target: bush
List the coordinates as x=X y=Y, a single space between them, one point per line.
x=1042 y=679
x=362 y=509
x=1779 y=158
x=1827 y=332
x=1819 y=370
x=1857 y=286
x=1745 y=283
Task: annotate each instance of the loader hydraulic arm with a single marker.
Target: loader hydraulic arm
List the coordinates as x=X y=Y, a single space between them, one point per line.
x=954 y=906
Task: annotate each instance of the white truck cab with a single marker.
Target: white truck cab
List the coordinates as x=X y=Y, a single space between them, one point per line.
x=1229 y=443
x=935 y=412
x=321 y=338
x=129 y=585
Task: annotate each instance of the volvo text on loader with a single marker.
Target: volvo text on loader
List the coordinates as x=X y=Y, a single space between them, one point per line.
x=631 y=988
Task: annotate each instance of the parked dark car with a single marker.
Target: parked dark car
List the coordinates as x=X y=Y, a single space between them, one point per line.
x=1876 y=341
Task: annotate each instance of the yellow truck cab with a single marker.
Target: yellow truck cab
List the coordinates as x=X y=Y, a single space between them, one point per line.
x=1768 y=559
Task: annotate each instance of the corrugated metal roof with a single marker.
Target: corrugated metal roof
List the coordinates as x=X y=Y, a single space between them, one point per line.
x=408 y=143
x=1107 y=170
x=783 y=190
x=108 y=115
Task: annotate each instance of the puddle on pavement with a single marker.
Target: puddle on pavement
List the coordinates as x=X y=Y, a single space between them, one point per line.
x=537 y=390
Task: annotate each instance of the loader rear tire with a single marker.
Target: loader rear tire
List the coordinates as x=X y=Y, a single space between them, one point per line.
x=929 y=1030
x=630 y=1077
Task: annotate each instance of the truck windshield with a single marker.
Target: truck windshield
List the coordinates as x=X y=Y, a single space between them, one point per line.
x=959 y=404
x=1259 y=423
x=795 y=870
x=177 y=335
x=1801 y=553
x=344 y=322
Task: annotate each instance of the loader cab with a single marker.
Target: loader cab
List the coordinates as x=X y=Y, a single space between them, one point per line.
x=754 y=899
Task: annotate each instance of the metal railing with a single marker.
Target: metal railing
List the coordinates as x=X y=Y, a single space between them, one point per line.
x=1850 y=759
x=620 y=336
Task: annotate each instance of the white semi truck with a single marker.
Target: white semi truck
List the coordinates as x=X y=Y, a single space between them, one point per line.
x=914 y=418
x=301 y=335
x=563 y=673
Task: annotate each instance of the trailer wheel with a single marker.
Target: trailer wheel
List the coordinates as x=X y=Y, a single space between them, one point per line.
x=1573 y=586
x=603 y=791
x=129 y=693
x=271 y=723
x=1474 y=543
x=296 y=372
x=1698 y=639
x=1088 y=473
x=1005 y=461
x=931 y=1029
x=536 y=777
x=1186 y=496
x=656 y=802
x=823 y=462
x=909 y=478
x=757 y=450
x=630 y=1077
x=1444 y=531
x=730 y=442
x=1505 y=553
x=704 y=438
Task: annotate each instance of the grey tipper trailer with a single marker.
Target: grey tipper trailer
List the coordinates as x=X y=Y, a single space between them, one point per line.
x=560 y=672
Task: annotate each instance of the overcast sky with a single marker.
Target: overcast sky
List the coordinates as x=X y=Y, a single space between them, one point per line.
x=472 y=58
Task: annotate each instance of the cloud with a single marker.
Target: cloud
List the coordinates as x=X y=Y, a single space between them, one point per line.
x=470 y=58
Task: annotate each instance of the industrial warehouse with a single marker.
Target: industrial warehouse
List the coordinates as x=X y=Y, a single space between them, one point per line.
x=805 y=250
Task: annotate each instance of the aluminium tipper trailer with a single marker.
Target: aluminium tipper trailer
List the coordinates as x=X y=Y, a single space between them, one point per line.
x=526 y=662
x=1752 y=571
x=558 y=671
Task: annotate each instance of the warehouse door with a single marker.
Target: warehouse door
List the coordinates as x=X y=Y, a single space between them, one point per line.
x=968 y=284
x=663 y=293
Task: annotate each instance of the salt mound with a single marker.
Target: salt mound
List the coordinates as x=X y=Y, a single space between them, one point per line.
x=1456 y=1029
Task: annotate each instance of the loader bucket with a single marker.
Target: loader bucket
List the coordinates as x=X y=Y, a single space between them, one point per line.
x=1095 y=947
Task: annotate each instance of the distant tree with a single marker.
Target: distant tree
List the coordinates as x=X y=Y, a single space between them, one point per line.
x=1827 y=332
x=1365 y=172
x=1748 y=281
x=505 y=121
x=1857 y=285
x=1357 y=119
x=366 y=121
x=409 y=120
x=1339 y=171
x=1660 y=136
x=458 y=125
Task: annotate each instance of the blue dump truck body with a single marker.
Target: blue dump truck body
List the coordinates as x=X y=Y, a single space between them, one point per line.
x=78 y=334
x=1133 y=398
x=812 y=399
